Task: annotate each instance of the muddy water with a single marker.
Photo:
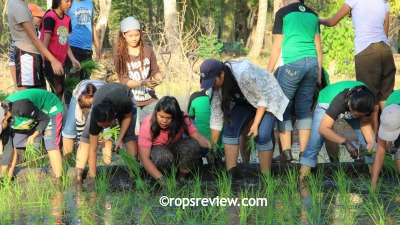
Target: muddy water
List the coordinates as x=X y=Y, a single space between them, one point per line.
x=124 y=202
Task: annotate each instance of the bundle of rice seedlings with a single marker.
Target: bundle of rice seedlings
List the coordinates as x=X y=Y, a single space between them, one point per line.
x=251 y=146
x=87 y=66
x=111 y=133
x=70 y=83
x=32 y=155
x=132 y=164
x=388 y=163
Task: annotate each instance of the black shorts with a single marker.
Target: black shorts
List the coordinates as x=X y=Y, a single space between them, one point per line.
x=29 y=69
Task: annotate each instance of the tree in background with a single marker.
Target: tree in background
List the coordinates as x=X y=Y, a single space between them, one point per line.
x=171 y=24
x=227 y=20
x=260 y=29
x=394 y=25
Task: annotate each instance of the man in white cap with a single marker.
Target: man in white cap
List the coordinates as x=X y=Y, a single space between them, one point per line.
x=389 y=130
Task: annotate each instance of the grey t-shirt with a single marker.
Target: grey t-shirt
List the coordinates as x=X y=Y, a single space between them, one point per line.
x=18 y=14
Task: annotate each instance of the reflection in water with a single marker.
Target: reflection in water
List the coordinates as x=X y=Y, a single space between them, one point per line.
x=57 y=207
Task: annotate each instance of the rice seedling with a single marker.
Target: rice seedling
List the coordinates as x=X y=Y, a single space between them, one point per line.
x=251 y=146
x=376 y=210
x=289 y=195
x=268 y=189
x=132 y=164
x=389 y=164
x=102 y=180
x=317 y=197
x=346 y=210
x=70 y=83
x=88 y=67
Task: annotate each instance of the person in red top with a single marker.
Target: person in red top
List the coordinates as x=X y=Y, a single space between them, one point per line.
x=55 y=29
x=161 y=140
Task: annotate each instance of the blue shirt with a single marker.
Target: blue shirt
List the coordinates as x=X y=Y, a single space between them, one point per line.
x=81 y=14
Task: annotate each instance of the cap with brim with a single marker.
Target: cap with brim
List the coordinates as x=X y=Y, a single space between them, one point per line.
x=209 y=70
x=389 y=129
x=36 y=11
x=1 y=118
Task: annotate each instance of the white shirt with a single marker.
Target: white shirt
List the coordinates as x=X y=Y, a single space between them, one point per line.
x=368 y=18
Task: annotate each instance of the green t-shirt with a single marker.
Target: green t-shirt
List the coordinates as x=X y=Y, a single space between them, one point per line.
x=331 y=91
x=200 y=109
x=393 y=98
x=47 y=102
x=298 y=24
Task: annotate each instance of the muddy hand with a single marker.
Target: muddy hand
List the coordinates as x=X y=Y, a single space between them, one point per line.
x=351 y=149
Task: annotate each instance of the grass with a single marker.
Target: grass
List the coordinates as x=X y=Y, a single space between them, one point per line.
x=41 y=203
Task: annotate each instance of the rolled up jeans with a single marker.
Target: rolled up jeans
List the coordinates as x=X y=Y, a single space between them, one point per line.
x=316 y=141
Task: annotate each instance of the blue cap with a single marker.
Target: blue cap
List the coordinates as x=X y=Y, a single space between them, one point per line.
x=209 y=70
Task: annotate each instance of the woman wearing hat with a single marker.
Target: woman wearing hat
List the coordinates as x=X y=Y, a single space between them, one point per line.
x=241 y=92
x=389 y=130
x=136 y=66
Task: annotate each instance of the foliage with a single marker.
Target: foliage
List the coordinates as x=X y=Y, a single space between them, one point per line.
x=70 y=83
x=337 y=42
x=209 y=47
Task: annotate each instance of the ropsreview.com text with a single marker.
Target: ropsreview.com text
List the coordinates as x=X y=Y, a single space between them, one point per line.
x=217 y=201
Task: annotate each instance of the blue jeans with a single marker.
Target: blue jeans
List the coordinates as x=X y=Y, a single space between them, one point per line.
x=69 y=130
x=241 y=115
x=298 y=81
x=316 y=141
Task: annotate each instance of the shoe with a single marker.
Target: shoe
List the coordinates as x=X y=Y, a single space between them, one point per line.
x=284 y=157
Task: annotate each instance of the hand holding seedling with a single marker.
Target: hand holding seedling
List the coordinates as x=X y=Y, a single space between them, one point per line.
x=31 y=138
x=351 y=149
x=253 y=130
x=118 y=144
x=149 y=83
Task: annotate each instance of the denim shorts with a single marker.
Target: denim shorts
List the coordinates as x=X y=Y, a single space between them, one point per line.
x=298 y=81
x=241 y=115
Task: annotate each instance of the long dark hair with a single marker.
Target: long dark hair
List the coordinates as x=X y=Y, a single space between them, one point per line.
x=85 y=100
x=104 y=112
x=169 y=105
x=361 y=99
x=55 y=4
x=121 y=57
x=227 y=86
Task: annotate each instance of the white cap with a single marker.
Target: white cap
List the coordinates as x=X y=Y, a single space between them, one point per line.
x=389 y=129
x=129 y=23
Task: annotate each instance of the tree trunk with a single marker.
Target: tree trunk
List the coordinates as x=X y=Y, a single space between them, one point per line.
x=394 y=28
x=49 y=3
x=277 y=6
x=251 y=25
x=101 y=25
x=228 y=20
x=260 y=29
x=171 y=24
x=3 y=18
